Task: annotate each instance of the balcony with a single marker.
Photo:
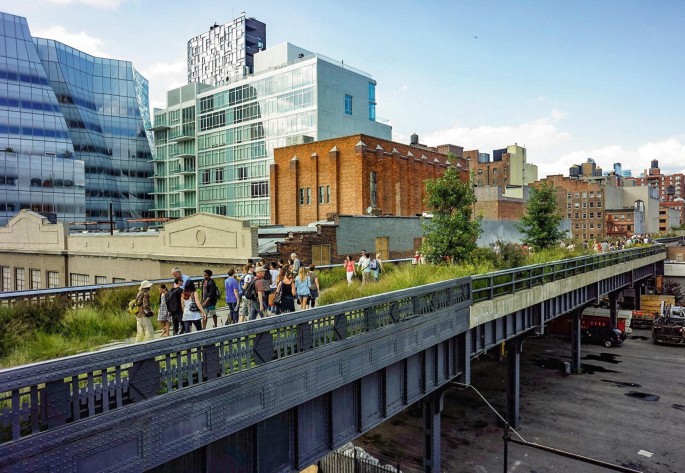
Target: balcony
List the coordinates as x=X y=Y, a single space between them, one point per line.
x=185 y=170
x=183 y=133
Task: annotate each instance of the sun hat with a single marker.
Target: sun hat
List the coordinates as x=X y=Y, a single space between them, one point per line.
x=261 y=269
x=145 y=284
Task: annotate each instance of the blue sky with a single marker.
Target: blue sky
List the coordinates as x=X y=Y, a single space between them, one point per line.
x=567 y=79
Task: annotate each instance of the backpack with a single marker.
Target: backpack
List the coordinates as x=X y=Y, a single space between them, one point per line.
x=133 y=306
x=173 y=301
x=217 y=292
x=250 y=291
x=373 y=264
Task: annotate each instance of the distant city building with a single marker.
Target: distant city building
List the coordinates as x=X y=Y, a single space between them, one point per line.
x=669 y=187
x=225 y=53
x=586 y=169
x=352 y=175
x=214 y=147
x=73 y=134
x=509 y=167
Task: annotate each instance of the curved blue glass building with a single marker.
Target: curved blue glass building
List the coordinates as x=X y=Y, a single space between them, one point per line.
x=65 y=106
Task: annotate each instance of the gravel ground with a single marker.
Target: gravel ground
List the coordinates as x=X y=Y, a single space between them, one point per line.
x=605 y=413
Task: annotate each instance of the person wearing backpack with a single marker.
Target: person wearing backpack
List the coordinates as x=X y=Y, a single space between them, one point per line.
x=376 y=266
x=245 y=280
x=313 y=285
x=144 y=330
x=174 y=306
x=210 y=295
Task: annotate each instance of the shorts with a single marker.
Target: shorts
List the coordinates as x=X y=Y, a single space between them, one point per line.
x=210 y=311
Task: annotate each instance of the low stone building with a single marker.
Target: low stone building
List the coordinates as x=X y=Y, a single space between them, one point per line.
x=35 y=254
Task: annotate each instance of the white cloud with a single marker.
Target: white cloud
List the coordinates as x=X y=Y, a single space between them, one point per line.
x=79 y=40
x=538 y=134
x=164 y=76
x=107 y=4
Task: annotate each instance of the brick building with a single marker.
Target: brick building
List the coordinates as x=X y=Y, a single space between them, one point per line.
x=668 y=186
x=583 y=204
x=492 y=204
x=507 y=168
x=353 y=175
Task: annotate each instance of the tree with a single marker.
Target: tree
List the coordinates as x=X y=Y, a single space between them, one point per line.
x=672 y=288
x=451 y=233
x=540 y=224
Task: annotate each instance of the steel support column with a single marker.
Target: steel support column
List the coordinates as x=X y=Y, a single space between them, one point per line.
x=513 y=377
x=638 y=296
x=575 y=341
x=432 y=407
x=613 y=310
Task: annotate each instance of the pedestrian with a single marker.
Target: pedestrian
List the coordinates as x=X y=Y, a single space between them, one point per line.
x=376 y=266
x=163 y=315
x=261 y=287
x=302 y=288
x=363 y=265
x=246 y=278
x=296 y=264
x=417 y=258
x=273 y=284
x=232 y=288
x=144 y=330
x=176 y=273
x=175 y=306
x=349 y=269
x=210 y=295
x=193 y=313
x=314 y=287
x=286 y=286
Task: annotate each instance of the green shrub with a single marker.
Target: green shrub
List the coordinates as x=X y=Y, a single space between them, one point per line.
x=112 y=301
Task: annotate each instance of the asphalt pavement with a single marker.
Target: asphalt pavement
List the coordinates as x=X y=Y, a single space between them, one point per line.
x=627 y=408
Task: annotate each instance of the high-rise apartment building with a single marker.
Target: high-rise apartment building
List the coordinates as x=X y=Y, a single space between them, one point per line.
x=214 y=147
x=73 y=131
x=225 y=53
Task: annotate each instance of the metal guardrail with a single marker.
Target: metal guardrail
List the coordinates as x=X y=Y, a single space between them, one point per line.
x=491 y=285
x=41 y=396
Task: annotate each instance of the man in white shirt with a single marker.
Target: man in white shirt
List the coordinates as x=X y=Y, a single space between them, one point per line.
x=363 y=265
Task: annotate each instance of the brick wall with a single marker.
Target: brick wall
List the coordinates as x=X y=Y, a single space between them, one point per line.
x=401 y=171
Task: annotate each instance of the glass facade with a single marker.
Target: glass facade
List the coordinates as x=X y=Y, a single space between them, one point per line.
x=73 y=131
x=221 y=165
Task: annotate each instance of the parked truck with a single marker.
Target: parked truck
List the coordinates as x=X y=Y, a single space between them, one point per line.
x=669 y=327
x=651 y=307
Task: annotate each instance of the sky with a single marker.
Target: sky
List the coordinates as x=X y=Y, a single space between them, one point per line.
x=567 y=79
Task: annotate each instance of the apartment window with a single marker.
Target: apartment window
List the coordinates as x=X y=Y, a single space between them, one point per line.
x=576 y=205
x=260 y=189
x=584 y=205
x=100 y=280
x=592 y=204
x=348 y=104
x=576 y=195
x=118 y=280
x=599 y=204
x=584 y=195
x=324 y=194
x=321 y=254
x=53 y=279
x=584 y=226
x=599 y=225
x=242 y=173
x=19 y=279
x=577 y=215
x=592 y=225
x=6 y=279
x=305 y=195
x=76 y=279
x=220 y=210
x=206 y=176
x=568 y=196
x=35 y=279
x=584 y=216
x=592 y=195
x=219 y=175
x=568 y=215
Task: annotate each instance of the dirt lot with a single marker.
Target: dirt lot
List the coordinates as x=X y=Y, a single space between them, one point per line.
x=628 y=408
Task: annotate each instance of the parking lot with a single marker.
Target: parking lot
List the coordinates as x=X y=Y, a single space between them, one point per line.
x=627 y=408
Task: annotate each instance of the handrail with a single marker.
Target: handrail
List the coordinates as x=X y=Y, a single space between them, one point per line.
x=39 y=396
x=490 y=285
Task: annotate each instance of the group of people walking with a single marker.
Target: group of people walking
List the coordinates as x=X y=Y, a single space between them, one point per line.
x=253 y=291
x=368 y=266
